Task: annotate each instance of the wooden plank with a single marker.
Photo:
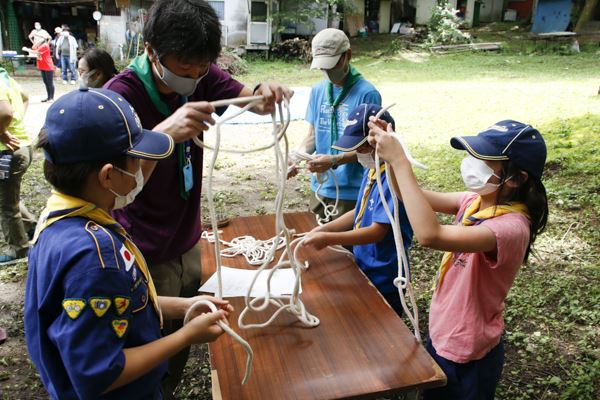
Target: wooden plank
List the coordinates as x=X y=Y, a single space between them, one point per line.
x=361 y=349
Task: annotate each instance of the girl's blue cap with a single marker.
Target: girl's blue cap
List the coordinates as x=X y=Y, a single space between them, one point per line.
x=507 y=140
x=99 y=125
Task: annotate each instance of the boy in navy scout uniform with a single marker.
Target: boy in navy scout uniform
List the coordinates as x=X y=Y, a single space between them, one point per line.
x=367 y=228
x=92 y=316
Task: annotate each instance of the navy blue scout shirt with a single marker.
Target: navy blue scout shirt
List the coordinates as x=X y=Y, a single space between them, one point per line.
x=86 y=300
x=379 y=261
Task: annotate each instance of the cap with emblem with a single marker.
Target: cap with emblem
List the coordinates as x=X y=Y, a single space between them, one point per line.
x=507 y=140
x=356 y=131
x=327 y=47
x=96 y=125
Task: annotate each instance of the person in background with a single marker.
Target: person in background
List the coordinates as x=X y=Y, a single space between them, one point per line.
x=95 y=68
x=41 y=49
x=66 y=51
x=343 y=89
x=57 y=34
x=38 y=33
x=16 y=153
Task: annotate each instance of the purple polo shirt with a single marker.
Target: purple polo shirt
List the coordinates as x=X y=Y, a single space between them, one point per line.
x=161 y=223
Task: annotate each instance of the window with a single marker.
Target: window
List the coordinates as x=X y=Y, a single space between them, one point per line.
x=258 y=11
x=219 y=7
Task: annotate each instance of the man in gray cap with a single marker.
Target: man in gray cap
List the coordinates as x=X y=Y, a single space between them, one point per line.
x=330 y=102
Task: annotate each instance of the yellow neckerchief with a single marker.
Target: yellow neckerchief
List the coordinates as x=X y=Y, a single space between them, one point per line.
x=60 y=206
x=472 y=216
x=363 y=203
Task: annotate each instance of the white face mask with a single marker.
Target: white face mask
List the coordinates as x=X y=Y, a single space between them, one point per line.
x=179 y=84
x=366 y=160
x=475 y=174
x=337 y=75
x=123 y=200
x=85 y=81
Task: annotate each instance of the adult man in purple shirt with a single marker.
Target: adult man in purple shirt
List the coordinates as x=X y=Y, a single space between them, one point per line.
x=170 y=87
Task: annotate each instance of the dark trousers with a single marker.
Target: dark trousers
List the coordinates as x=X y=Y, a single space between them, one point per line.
x=48 y=78
x=475 y=380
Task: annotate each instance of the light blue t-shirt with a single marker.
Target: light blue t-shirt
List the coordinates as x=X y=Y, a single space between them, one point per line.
x=318 y=114
x=379 y=261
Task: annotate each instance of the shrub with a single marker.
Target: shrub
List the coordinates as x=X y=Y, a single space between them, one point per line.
x=444 y=26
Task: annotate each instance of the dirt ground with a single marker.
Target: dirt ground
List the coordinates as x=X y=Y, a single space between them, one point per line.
x=244 y=182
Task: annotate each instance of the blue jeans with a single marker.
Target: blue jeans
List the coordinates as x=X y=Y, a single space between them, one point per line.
x=475 y=380
x=64 y=64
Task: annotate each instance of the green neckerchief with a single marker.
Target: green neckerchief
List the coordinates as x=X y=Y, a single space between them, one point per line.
x=4 y=76
x=353 y=77
x=142 y=67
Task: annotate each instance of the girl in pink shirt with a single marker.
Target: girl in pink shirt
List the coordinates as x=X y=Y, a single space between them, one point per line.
x=496 y=223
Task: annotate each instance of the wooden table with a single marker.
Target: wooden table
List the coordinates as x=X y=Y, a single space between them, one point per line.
x=361 y=349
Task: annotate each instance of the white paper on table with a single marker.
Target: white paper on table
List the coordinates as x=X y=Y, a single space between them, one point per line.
x=237 y=281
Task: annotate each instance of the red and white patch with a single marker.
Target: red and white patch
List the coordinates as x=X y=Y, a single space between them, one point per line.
x=128 y=257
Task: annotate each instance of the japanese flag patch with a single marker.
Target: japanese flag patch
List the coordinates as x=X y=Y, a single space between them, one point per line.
x=128 y=257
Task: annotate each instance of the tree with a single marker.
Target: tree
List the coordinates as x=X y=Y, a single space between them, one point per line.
x=586 y=14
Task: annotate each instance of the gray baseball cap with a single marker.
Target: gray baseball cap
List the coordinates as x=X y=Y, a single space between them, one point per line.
x=327 y=48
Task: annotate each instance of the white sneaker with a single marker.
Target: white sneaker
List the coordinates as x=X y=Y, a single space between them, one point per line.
x=64 y=82
x=73 y=82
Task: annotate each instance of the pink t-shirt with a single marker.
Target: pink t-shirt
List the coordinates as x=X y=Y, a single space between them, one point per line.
x=465 y=317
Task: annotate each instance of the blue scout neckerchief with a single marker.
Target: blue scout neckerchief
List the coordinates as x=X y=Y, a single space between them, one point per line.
x=60 y=206
x=142 y=67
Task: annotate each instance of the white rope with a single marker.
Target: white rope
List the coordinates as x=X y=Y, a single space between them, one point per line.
x=294 y=305
x=291 y=303
x=329 y=210
x=228 y=330
x=402 y=281
x=254 y=250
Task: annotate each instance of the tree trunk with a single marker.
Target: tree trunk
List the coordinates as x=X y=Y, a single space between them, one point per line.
x=586 y=13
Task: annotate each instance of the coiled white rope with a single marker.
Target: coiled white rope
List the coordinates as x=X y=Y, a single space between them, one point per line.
x=226 y=328
x=402 y=281
x=254 y=250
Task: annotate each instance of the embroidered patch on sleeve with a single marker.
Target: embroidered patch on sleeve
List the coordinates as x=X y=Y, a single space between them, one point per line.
x=122 y=304
x=120 y=326
x=100 y=305
x=127 y=257
x=73 y=307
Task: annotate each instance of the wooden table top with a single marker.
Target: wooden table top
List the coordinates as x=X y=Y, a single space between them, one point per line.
x=361 y=349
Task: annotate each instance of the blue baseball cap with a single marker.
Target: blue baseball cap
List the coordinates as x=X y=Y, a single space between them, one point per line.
x=507 y=140
x=98 y=124
x=356 y=131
